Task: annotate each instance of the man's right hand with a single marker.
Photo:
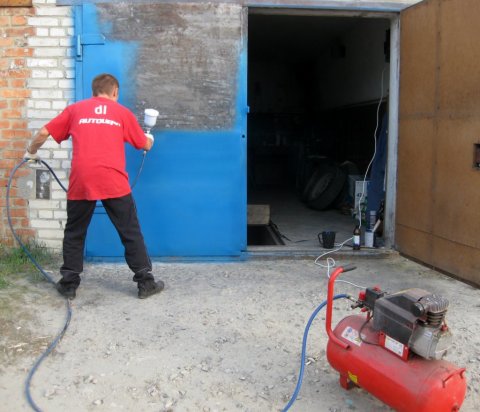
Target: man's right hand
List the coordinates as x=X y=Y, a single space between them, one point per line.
x=150 y=140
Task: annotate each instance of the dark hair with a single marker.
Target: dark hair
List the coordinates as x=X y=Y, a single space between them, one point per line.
x=104 y=84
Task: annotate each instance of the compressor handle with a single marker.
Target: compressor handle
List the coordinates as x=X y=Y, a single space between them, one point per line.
x=328 y=320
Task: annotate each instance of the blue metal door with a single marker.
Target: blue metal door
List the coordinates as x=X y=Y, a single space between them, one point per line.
x=191 y=195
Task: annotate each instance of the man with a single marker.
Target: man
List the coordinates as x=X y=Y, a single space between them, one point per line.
x=99 y=126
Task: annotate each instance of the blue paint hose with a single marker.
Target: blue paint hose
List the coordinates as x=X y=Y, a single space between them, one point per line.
x=49 y=279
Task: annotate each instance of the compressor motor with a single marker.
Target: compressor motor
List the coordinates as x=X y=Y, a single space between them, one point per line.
x=409 y=321
x=396 y=351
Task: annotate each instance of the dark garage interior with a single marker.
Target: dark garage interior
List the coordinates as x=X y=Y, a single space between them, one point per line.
x=317 y=92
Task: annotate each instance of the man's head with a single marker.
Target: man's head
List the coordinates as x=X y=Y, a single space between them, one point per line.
x=105 y=85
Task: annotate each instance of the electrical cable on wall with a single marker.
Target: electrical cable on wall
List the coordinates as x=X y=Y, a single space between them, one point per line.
x=330 y=261
x=374 y=151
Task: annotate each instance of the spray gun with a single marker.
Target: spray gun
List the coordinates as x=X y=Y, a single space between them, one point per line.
x=149 y=121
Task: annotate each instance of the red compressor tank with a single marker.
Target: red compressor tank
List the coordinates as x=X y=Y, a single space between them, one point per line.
x=413 y=385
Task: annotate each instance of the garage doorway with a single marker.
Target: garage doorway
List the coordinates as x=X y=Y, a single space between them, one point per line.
x=318 y=91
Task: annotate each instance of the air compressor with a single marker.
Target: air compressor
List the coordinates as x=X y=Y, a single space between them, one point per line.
x=395 y=350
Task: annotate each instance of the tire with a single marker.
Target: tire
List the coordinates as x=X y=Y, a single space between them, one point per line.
x=305 y=171
x=324 y=186
x=316 y=170
x=349 y=168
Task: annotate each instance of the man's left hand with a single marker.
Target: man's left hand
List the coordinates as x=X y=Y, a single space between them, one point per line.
x=34 y=157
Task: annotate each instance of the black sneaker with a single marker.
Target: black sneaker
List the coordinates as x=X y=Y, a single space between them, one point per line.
x=68 y=292
x=149 y=288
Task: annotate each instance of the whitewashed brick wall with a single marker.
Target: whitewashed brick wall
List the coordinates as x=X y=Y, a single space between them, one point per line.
x=52 y=89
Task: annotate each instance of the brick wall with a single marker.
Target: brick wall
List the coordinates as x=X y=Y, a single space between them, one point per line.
x=36 y=83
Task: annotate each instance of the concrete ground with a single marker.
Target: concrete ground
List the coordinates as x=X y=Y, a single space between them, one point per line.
x=221 y=337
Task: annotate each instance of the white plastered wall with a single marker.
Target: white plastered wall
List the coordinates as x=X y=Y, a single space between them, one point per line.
x=52 y=89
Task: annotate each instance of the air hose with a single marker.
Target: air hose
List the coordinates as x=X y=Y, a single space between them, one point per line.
x=46 y=276
x=304 y=350
x=49 y=279
x=139 y=169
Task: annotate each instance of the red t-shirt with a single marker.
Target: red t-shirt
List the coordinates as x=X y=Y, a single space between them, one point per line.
x=99 y=127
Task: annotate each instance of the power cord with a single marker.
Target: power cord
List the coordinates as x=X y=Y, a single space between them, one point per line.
x=360 y=333
x=330 y=261
x=374 y=152
x=275 y=227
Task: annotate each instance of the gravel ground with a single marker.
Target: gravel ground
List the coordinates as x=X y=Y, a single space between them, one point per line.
x=221 y=337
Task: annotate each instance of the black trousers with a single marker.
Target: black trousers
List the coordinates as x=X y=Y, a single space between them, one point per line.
x=123 y=214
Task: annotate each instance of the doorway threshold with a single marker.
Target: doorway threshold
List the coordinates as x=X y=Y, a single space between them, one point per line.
x=298 y=252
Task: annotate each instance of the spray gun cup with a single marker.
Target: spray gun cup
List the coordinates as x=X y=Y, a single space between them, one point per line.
x=150 y=118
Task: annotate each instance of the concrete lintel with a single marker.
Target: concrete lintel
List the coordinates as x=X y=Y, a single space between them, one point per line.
x=354 y=5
